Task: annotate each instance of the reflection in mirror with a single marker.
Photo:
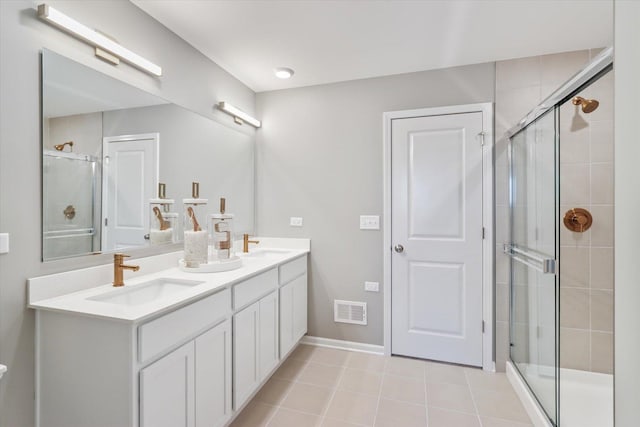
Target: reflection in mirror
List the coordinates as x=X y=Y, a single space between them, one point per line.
x=106 y=148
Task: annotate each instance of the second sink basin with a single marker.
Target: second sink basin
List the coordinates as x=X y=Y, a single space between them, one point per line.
x=265 y=253
x=146 y=292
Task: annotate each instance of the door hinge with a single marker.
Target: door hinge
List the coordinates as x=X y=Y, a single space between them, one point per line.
x=481 y=135
x=483 y=233
x=483 y=326
x=106 y=222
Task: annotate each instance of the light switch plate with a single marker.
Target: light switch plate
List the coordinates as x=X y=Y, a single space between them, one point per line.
x=369 y=222
x=372 y=286
x=4 y=243
x=295 y=221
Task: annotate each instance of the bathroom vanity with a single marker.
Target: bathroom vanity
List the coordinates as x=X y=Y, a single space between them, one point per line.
x=170 y=348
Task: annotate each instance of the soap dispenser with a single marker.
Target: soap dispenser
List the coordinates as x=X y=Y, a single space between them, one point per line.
x=162 y=221
x=195 y=237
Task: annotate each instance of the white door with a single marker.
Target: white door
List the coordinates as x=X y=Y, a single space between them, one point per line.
x=130 y=178
x=213 y=376
x=167 y=390
x=436 y=233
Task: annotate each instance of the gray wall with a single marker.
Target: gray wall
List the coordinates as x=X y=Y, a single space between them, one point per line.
x=190 y=80
x=319 y=156
x=627 y=176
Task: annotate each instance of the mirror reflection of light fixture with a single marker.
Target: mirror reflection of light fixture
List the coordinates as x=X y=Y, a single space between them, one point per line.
x=238 y=115
x=94 y=38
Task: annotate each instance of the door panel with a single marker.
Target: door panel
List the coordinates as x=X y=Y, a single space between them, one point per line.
x=437 y=176
x=268 y=352
x=246 y=375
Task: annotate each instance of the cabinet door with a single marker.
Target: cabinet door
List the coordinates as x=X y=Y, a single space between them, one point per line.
x=299 y=288
x=245 y=354
x=213 y=376
x=268 y=351
x=167 y=390
x=286 y=319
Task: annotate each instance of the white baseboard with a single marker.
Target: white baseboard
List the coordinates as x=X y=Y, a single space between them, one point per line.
x=342 y=345
x=529 y=402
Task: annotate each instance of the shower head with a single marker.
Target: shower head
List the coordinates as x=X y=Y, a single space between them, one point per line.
x=60 y=147
x=587 y=105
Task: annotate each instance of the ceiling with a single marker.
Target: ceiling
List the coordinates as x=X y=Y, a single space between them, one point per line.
x=336 y=40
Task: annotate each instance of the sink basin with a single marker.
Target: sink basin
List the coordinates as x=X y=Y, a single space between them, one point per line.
x=265 y=253
x=146 y=292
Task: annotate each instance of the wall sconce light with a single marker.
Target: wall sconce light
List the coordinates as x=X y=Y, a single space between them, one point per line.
x=114 y=51
x=238 y=115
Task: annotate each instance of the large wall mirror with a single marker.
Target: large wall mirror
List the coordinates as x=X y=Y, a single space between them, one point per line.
x=107 y=146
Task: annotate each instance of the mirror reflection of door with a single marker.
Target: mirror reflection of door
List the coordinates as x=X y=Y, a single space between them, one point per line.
x=130 y=177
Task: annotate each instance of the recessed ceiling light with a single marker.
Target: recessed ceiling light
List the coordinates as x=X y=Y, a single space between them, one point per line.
x=283 y=72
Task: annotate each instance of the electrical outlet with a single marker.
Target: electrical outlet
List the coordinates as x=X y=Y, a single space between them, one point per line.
x=295 y=221
x=369 y=222
x=372 y=286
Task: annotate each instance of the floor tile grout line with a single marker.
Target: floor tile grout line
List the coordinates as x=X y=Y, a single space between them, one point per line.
x=333 y=392
x=473 y=399
x=426 y=396
x=384 y=371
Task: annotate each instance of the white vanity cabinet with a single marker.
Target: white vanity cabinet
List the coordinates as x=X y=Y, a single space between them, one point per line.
x=191 y=386
x=255 y=333
x=293 y=303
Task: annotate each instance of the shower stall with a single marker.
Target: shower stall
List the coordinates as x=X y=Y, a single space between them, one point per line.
x=561 y=221
x=68 y=217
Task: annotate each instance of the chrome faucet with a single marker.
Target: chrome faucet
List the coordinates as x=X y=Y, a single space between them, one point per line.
x=118 y=267
x=246 y=241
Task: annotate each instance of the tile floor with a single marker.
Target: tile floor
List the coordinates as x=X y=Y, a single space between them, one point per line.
x=325 y=387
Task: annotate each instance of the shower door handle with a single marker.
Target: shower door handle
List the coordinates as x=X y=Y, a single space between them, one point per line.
x=543 y=265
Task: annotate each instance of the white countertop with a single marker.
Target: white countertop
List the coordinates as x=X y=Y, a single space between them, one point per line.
x=77 y=302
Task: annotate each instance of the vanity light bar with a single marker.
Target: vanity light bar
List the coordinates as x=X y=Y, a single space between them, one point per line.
x=59 y=19
x=239 y=114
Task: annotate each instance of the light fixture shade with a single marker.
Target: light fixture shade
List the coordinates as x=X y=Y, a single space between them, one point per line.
x=59 y=19
x=283 y=72
x=238 y=113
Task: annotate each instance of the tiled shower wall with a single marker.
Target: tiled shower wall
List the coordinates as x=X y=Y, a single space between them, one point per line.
x=586 y=181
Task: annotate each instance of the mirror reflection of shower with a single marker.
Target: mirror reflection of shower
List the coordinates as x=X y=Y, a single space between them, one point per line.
x=60 y=147
x=587 y=106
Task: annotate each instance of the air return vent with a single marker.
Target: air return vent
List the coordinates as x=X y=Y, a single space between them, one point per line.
x=350 y=312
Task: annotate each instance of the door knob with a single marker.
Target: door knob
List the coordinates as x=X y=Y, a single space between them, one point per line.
x=398 y=248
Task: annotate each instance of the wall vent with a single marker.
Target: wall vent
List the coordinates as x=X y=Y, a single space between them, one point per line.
x=350 y=312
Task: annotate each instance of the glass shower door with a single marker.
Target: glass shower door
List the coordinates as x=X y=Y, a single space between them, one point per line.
x=533 y=252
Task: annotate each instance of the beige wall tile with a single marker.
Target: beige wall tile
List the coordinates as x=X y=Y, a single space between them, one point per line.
x=575 y=184
x=602 y=183
x=502 y=345
x=574 y=349
x=574 y=267
x=502 y=302
x=574 y=145
x=392 y=413
x=601 y=311
x=602 y=141
x=602 y=268
x=602 y=228
x=515 y=104
x=442 y=418
x=574 y=308
x=602 y=352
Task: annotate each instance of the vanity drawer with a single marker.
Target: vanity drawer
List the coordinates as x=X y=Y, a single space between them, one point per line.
x=178 y=326
x=293 y=269
x=253 y=288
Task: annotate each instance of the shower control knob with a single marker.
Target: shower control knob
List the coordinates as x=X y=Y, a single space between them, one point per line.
x=398 y=248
